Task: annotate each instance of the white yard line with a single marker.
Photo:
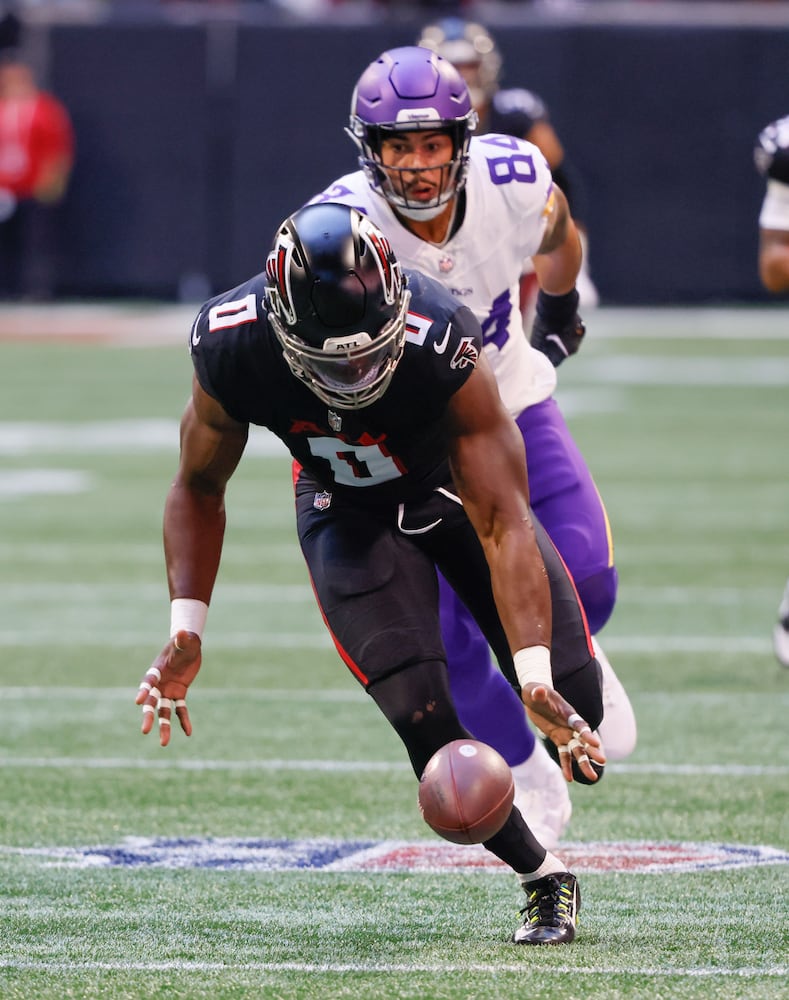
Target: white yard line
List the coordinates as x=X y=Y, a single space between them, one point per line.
x=297 y=593
x=105 y=437
x=349 y=766
x=59 y=634
x=323 y=968
x=152 y=324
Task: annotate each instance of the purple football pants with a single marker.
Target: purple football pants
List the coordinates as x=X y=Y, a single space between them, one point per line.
x=566 y=502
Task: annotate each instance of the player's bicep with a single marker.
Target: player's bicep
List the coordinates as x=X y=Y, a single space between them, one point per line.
x=486 y=452
x=212 y=443
x=557 y=222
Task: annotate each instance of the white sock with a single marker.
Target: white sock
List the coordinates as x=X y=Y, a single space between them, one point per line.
x=550 y=866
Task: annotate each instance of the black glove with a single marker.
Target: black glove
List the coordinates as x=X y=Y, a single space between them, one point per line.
x=558 y=329
x=771 y=153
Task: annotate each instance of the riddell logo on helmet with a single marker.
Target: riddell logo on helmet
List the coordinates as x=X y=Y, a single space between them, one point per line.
x=418 y=115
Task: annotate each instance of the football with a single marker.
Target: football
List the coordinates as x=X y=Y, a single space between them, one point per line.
x=466 y=792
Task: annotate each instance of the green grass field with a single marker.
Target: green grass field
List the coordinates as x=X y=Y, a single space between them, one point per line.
x=683 y=417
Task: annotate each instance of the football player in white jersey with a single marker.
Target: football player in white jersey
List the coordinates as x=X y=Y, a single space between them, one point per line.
x=772 y=160
x=467 y=212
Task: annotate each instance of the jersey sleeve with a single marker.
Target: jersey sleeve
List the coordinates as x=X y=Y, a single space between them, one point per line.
x=229 y=346
x=774 y=213
x=444 y=338
x=519 y=190
x=351 y=189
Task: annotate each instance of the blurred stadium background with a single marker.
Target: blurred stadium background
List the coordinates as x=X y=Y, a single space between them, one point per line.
x=201 y=125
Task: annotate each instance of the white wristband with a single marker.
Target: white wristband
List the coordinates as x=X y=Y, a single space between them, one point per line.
x=533 y=666
x=187 y=614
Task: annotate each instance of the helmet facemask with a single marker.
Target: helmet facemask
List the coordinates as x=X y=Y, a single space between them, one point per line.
x=388 y=180
x=348 y=372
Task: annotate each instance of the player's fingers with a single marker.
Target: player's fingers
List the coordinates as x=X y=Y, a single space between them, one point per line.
x=582 y=728
x=539 y=694
x=148 y=682
x=148 y=712
x=582 y=750
x=165 y=711
x=182 y=714
x=565 y=760
x=149 y=709
x=585 y=765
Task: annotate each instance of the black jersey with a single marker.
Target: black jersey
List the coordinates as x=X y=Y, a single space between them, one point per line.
x=390 y=451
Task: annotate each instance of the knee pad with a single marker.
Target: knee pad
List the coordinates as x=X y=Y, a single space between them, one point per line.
x=598 y=596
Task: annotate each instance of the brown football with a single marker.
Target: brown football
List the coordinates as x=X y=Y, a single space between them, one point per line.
x=466 y=792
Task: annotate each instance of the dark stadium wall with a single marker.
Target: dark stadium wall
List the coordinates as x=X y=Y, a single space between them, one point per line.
x=195 y=140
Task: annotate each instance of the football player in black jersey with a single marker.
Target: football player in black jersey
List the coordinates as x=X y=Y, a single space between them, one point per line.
x=772 y=160
x=405 y=460
x=771 y=155
x=512 y=111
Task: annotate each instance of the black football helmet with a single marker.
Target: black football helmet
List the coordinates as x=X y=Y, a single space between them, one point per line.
x=338 y=303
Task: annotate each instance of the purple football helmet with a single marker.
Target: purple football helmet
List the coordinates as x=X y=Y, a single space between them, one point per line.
x=406 y=90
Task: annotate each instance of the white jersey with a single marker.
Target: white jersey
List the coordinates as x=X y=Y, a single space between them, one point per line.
x=508 y=200
x=775 y=207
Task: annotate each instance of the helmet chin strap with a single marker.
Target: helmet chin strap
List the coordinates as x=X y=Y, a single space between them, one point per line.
x=421 y=214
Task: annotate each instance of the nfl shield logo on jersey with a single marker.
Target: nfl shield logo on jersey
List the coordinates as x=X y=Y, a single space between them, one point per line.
x=445 y=265
x=322 y=501
x=335 y=421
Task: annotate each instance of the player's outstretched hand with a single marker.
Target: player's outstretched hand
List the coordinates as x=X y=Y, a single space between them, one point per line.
x=165 y=684
x=561 y=723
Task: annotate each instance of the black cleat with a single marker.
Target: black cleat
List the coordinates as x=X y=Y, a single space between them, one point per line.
x=549 y=915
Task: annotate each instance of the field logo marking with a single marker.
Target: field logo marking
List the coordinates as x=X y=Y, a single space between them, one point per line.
x=230 y=853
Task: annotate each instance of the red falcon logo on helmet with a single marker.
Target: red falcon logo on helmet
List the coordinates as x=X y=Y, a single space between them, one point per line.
x=278 y=273
x=384 y=255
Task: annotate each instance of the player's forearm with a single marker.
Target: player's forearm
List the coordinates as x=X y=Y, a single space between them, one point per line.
x=557 y=271
x=520 y=588
x=194 y=528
